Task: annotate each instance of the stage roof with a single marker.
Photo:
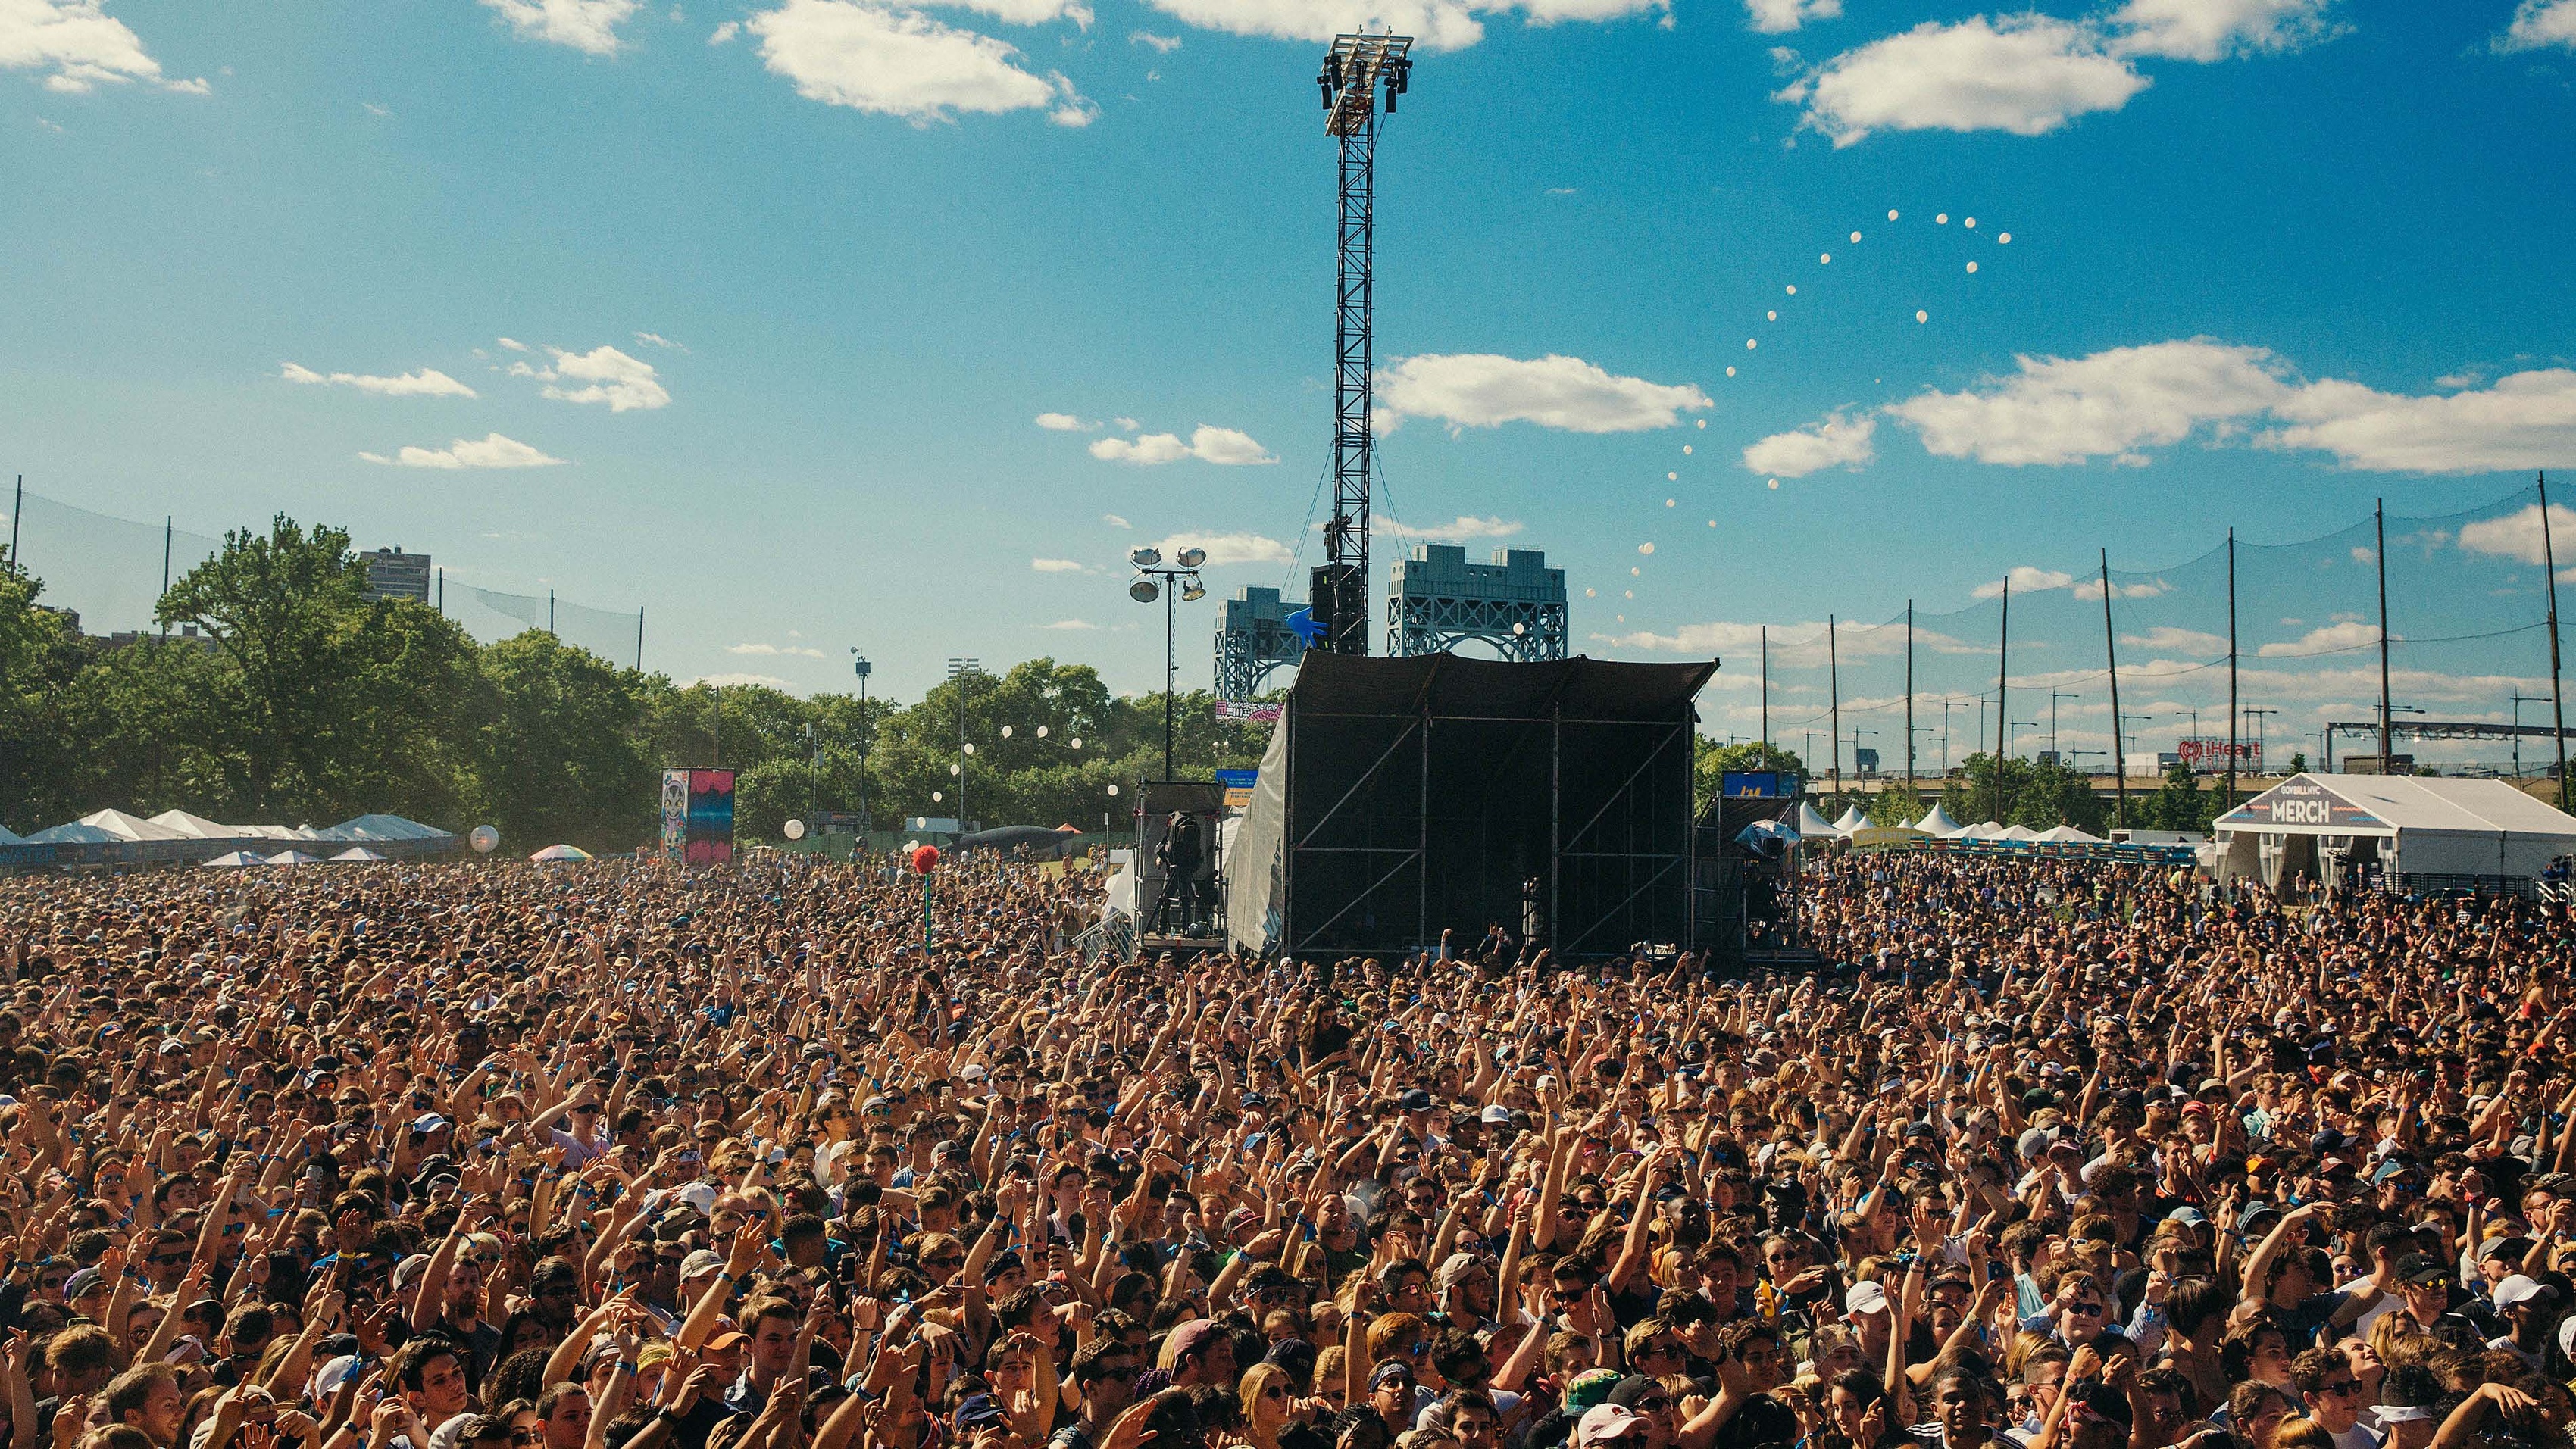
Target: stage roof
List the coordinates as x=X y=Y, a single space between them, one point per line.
x=1453 y=687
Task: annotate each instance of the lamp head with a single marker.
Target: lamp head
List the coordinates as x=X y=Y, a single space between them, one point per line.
x=1191 y=558
x=1144 y=591
x=1145 y=558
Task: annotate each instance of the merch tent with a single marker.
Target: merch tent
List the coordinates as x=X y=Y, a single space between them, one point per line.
x=1938 y=824
x=1851 y=820
x=2069 y=835
x=2418 y=834
x=1811 y=825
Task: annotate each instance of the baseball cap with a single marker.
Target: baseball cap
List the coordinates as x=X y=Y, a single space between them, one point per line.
x=1590 y=1387
x=1187 y=1338
x=1416 y=1100
x=2520 y=1289
x=976 y=1410
x=1609 y=1424
x=1865 y=1297
x=1497 y=1114
x=2422 y=1270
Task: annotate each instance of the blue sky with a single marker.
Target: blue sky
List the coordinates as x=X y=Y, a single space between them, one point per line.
x=748 y=313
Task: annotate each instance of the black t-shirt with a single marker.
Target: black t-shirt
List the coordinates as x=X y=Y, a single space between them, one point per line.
x=1762 y=1421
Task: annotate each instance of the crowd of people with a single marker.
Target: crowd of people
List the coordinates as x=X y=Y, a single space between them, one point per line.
x=2047 y=1156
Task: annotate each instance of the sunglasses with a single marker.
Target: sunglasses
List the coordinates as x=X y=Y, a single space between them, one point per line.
x=2344 y=1390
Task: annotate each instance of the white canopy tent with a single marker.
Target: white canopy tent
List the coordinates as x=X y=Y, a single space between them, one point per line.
x=234 y=860
x=294 y=857
x=1937 y=823
x=1810 y=825
x=2418 y=832
x=1851 y=820
x=357 y=854
x=2017 y=832
x=195 y=827
x=2069 y=835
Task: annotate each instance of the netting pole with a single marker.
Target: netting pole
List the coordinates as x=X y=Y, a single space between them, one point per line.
x=1765 y=683
x=2379 y=521
x=167 y=523
x=1912 y=799
x=2557 y=701
x=2003 y=666
x=550 y=611
x=17 y=510
x=2111 y=657
x=639 y=638
x=2231 y=669
x=442 y=593
x=1834 y=704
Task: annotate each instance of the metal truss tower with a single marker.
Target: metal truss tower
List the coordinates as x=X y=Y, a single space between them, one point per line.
x=1354 y=71
x=1437 y=600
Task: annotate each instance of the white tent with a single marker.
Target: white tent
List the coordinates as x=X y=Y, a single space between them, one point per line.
x=2017 y=832
x=2317 y=826
x=74 y=832
x=233 y=859
x=1810 y=825
x=10 y=837
x=357 y=853
x=294 y=857
x=1852 y=820
x=275 y=832
x=1982 y=830
x=2068 y=835
x=383 y=827
x=129 y=827
x=195 y=827
x=1938 y=823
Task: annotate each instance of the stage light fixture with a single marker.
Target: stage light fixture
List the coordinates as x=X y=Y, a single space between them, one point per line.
x=1191 y=558
x=1144 y=591
x=1145 y=558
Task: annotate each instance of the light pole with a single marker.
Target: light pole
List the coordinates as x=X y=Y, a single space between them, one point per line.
x=813 y=777
x=859 y=663
x=964 y=671
x=2054 y=696
x=2012 y=734
x=1153 y=581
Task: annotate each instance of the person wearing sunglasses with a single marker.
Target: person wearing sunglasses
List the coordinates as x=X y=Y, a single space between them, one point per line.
x=1104 y=1373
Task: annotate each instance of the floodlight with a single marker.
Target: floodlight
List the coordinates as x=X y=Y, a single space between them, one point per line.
x=1191 y=558
x=1145 y=558
x=1192 y=590
x=1144 y=591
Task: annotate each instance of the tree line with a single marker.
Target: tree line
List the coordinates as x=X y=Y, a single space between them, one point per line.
x=2041 y=794
x=304 y=701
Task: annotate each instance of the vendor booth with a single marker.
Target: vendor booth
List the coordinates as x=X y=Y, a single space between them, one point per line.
x=2399 y=832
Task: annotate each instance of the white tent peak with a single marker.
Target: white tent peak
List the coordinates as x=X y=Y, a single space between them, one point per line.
x=1937 y=823
x=1810 y=825
x=2069 y=835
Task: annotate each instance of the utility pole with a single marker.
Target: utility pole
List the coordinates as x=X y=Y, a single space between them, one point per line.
x=2003 y=670
x=17 y=510
x=1947 y=705
x=1834 y=699
x=2262 y=736
x=2557 y=698
x=639 y=638
x=2231 y=670
x=2379 y=521
x=167 y=521
x=2054 y=696
x=2111 y=658
x=2519 y=701
x=1766 y=684
x=1910 y=801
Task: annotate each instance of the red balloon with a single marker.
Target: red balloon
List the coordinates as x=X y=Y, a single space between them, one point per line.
x=923 y=858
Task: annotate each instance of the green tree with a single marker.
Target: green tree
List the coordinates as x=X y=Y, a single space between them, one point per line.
x=1710 y=761
x=562 y=751
x=278 y=605
x=40 y=656
x=1894 y=804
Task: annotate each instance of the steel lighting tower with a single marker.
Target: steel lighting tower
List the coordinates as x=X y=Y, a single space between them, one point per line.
x=1354 y=70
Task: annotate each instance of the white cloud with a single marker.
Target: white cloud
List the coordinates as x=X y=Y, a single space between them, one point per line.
x=589 y=26
x=1224 y=549
x=897 y=62
x=2145 y=589
x=512 y=343
x=1464 y=526
x=724 y=34
x=427 y=382
x=1162 y=44
x=1029 y=12
x=1055 y=566
x=1483 y=390
x=1832 y=441
x=1208 y=444
x=721 y=680
x=1775 y=17
x=2209 y=30
x=2026 y=579
x=1070 y=624
x=2347 y=634
x=1433 y=24
x=606 y=374
x=2540 y=22
x=2517 y=535
x=1064 y=423
x=2525 y=420
x=2110 y=404
x=656 y=339
x=80 y=44
x=774 y=650
x=491 y=451
x=1114 y=521
x=2173 y=639
x=2026 y=74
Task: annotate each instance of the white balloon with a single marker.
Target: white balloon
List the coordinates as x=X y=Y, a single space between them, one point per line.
x=2003 y=239
x=1006 y=732
x=1922 y=316
x=955 y=770
x=1970 y=223
x=1589 y=593
x=1891 y=213
x=970 y=749
x=793 y=830
x=1824 y=259
x=1076 y=742
x=1703 y=422
x=1634 y=574
x=1042 y=731
x=1942 y=220
x=1772 y=316
x=1669 y=502
x=1686 y=450
x=1672 y=477
x=1730 y=372
x=1972 y=267
x=1775 y=485
x=1793 y=289
x=938 y=795
x=1855 y=236
x=1113 y=789
x=1644 y=548
x=1750 y=344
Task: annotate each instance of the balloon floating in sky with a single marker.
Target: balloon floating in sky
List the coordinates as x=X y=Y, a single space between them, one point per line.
x=1750 y=344
x=1672 y=477
x=1588 y=593
x=1922 y=316
x=1771 y=316
x=1730 y=372
x=1972 y=267
x=1942 y=220
x=1970 y=223
x=1669 y=502
x=1775 y=484
x=1793 y=289
x=1891 y=213
x=2003 y=239
x=1686 y=450
x=1824 y=259
x=1703 y=423
x=1855 y=236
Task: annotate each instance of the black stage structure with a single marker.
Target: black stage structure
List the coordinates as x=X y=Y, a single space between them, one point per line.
x=1744 y=892
x=1401 y=797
